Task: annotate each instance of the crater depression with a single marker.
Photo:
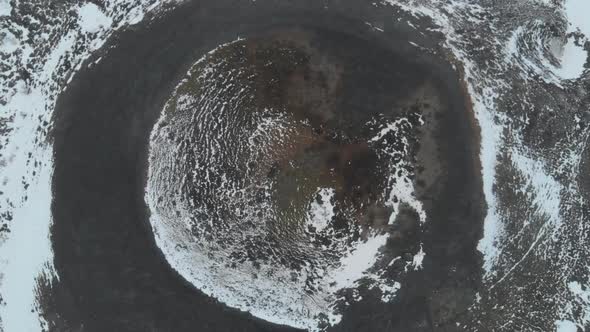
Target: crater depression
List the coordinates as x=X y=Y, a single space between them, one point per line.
x=311 y=174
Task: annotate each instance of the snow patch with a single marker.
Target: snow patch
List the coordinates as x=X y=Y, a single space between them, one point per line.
x=8 y=42
x=92 y=19
x=389 y=292
x=5 y=7
x=353 y=266
x=418 y=258
x=577 y=15
x=573 y=58
x=565 y=326
x=321 y=213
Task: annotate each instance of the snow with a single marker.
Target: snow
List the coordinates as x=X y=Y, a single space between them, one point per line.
x=547 y=190
x=92 y=19
x=353 y=266
x=5 y=7
x=577 y=14
x=402 y=189
x=138 y=14
x=389 y=292
x=418 y=258
x=490 y=139
x=484 y=105
x=27 y=251
x=235 y=288
x=8 y=42
x=390 y=127
x=574 y=57
x=577 y=290
x=546 y=200
x=29 y=238
x=581 y=294
x=319 y=215
x=565 y=326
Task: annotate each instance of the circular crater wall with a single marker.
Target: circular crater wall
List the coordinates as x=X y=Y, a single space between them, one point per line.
x=311 y=172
